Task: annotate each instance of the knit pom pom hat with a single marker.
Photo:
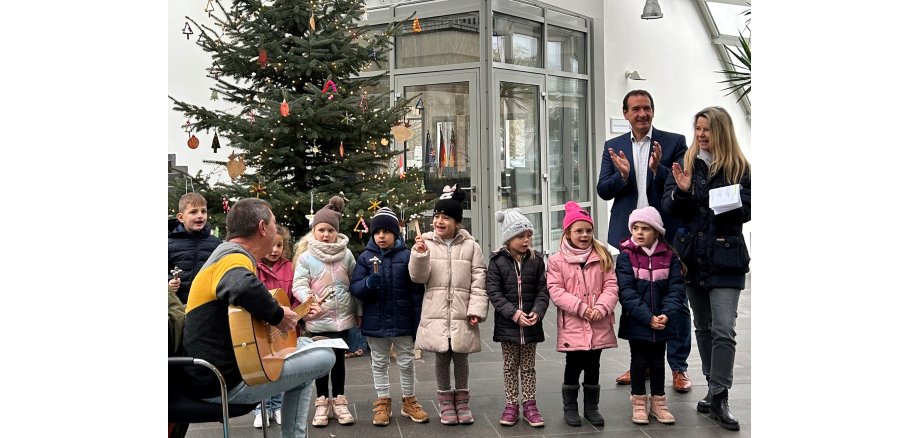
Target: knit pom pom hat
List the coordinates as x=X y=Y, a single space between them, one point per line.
x=647 y=215
x=386 y=219
x=512 y=222
x=574 y=212
x=330 y=214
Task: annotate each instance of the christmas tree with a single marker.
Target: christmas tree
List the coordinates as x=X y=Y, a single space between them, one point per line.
x=303 y=119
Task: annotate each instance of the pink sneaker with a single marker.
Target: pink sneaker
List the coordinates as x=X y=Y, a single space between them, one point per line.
x=532 y=414
x=510 y=415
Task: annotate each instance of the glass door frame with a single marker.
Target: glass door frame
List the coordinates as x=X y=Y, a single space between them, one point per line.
x=481 y=227
x=500 y=75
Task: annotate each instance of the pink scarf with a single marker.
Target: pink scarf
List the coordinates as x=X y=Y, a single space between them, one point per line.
x=574 y=255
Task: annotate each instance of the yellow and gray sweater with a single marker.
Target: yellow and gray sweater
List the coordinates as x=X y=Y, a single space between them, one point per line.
x=228 y=277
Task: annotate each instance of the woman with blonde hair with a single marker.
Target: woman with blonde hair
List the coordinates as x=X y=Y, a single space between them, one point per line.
x=713 y=248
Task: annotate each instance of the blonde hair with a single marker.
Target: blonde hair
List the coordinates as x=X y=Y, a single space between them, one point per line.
x=191 y=200
x=599 y=247
x=300 y=246
x=723 y=145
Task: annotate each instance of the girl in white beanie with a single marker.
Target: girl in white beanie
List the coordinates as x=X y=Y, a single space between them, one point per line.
x=516 y=284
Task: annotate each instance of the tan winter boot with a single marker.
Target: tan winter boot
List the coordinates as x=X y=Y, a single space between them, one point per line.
x=659 y=409
x=412 y=410
x=639 y=413
x=382 y=411
x=321 y=416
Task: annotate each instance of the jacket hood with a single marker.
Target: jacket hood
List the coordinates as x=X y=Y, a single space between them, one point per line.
x=503 y=252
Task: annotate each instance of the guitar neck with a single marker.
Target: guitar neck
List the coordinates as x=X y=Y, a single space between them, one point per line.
x=304 y=308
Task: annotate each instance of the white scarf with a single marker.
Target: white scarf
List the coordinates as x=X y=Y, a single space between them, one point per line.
x=706 y=156
x=328 y=252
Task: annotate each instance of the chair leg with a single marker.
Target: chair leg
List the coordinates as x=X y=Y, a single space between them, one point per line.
x=265 y=420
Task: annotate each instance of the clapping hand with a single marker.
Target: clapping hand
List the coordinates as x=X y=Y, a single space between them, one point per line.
x=654 y=157
x=620 y=161
x=681 y=176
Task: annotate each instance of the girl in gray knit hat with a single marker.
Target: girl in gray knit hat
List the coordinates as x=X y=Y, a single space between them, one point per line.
x=516 y=285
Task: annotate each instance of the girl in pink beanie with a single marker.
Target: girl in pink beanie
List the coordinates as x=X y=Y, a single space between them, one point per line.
x=583 y=286
x=652 y=294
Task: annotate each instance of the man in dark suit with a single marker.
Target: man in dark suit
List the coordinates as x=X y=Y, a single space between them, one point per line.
x=633 y=172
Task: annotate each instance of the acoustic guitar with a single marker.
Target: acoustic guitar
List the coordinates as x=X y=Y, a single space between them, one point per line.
x=260 y=348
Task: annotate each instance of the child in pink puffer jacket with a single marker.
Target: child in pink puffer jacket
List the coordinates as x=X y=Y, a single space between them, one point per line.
x=583 y=285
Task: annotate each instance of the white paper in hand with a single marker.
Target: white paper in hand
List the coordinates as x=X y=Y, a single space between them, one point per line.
x=725 y=198
x=330 y=343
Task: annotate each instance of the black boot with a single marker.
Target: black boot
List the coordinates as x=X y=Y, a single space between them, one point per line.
x=570 y=405
x=704 y=404
x=592 y=397
x=720 y=412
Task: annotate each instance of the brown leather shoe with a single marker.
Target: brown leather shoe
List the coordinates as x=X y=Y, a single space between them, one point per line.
x=681 y=381
x=624 y=379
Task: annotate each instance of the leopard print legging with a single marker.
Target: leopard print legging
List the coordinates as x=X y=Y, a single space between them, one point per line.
x=519 y=358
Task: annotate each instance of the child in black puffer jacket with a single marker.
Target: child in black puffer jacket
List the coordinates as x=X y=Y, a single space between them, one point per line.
x=516 y=285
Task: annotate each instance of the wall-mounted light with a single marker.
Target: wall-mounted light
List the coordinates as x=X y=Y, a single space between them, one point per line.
x=634 y=75
x=652 y=10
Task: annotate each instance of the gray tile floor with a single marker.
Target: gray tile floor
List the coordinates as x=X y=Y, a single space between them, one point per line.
x=488 y=396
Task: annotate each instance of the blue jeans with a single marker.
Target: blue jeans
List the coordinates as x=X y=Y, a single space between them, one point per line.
x=679 y=347
x=715 y=312
x=356 y=340
x=296 y=382
x=274 y=403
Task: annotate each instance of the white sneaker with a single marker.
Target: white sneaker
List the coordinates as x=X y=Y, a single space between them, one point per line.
x=277 y=416
x=257 y=422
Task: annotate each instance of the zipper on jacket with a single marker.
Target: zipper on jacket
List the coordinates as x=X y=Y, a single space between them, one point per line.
x=651 y=292
x=517 y=271
x=449 y=292
x=588 y=295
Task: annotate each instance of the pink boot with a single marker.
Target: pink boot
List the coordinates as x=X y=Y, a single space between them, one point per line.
x=462 y=401
x=446 y=407
x=510 y=414
x=532 y=414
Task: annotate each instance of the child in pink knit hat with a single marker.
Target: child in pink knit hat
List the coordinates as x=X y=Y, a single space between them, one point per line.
x=652 y=294
x=583 y=286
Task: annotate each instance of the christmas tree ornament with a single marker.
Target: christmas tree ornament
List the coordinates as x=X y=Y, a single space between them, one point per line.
x=416 y=26
x=311 y=215
x=225 y=204
x=200 y=38
x=263 y=58
x=192 y=142
x=209 y=7
x=361 y=226
x=215 y=144
x=341 y=149
x=214 y=71
x=258 y=189
x=384 y=141
x=252 y=117
x=330 y=85
x=375 y=205
x=187 y=126
x=348 y=118
x=187 y=30
x=237 y=165
x=285 y=109
x=214 y=95
x=312 y=23
x=374 y=54
x=419 y=106
x=363 y=103
x=401 y=132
